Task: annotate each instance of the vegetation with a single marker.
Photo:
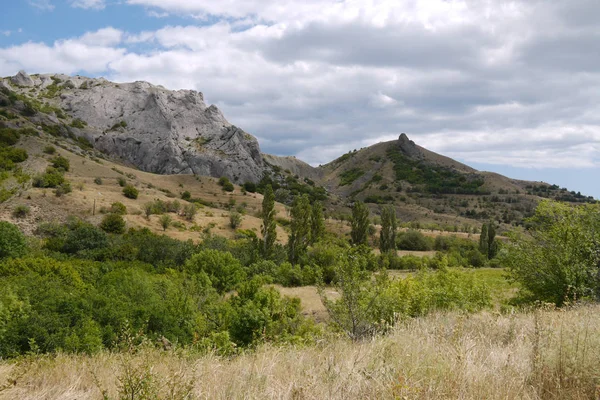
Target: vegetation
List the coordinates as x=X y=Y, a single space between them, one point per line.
x=558 y=259
x=433 y=178
x=389 y=226
x=359 y=223
x=21 y=211
x=300 y=228
x=113 y=223
x=226 y=184
x=130 y=192
x=349 y=176
x=268 y=227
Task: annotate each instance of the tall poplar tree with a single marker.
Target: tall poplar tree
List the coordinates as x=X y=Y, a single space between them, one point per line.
x=300 y=228
x=268 y=228
x=389 y=225
x=317 y=222
x=359 y=223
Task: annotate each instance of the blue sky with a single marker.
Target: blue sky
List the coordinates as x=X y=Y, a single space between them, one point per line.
x=485 y=82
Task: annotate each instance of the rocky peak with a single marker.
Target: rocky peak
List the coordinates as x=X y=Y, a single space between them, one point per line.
x=409 y=147
x=22 y=79
x=155 y=129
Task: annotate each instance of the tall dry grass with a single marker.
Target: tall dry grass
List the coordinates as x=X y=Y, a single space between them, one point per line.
x=543 y=354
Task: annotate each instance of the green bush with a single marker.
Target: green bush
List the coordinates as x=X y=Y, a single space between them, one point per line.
x=98 y=181
x=413 y=240
x=118 y=208
x=21 y=211
x=50 y=149
x=12 y=241
x=52 y=178
x=61 y=162
x=130 y=192
x=187 y=196
x=223 y=270
x=113 y=223
x=63 y=189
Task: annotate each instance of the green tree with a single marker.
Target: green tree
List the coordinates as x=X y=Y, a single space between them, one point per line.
x=130 y=192
x=268 y=228
x=165 y=221
x=113 y=223
x=224 y=271
x=12 y=241
x=488 y=245
x=317 y=222
x=558 y=260
x=353 y=312
x=300 y=228
x=61 y=162
x=359 y=223
x=483 y=240
x=389 y=226
x=235 y=219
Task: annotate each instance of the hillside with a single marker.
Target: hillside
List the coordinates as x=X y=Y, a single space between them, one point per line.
x=173 y=136
x=428 y=187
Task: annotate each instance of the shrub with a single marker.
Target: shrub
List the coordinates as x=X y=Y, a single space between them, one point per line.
x=98 y=181
x=223 y=270
x=250 y=187
x=187 y=196
x=12 y=241
x=165 y=221
x=50 y=179
x=63 y=189
x=235 y=219
x=50 y=149
x=113 y=223
x=21 y=211
x=414 y=240
x=130 y=192
x=118 y=208
x=121 y=181
x=61 y=162
x=226 y=184
x=190 y=211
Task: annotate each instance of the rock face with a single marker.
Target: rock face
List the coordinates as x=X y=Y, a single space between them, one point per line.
x=22 y=79
x=158 y=130
x=409 y=147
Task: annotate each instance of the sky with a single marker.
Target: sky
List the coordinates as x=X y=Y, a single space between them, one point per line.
x=505 y=86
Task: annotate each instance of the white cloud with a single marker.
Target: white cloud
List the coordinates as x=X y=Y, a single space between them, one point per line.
x=88 y=4
x=481 y=80
x=6 y=33
x=44 y=5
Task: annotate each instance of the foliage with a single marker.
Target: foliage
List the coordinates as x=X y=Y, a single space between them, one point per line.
x=165 y=221
x=118 y=208
x=300 y=227
x=113 y=223
x=12 y=241
x=349 y=176
x=268 y=227
x=186 y=195
x=52 y=178
x=235 y=219
x=130 y=192
x=21 y=211
x=488 y=246
x=61 y=163
x=558 y=260
x=389 y=226
x=317 y=222
x=433 y=178
x=224 y=271
x=414 y=240
x=50 y=149
x=226 y=184
x=359 y=223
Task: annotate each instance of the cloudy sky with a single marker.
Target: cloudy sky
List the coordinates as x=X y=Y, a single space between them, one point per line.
x=506 y=86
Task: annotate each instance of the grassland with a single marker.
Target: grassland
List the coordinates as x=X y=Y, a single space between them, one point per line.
x=540 y=354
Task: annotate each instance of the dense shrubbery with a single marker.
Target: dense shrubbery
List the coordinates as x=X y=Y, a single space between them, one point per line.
x=434 y=179
x=130 y=192
x=558 y=260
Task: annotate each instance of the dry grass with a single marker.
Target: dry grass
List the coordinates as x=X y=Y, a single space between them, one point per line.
x=538 y=355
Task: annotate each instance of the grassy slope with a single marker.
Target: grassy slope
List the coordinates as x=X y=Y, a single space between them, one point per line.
x=536 y=355
x=45 y=206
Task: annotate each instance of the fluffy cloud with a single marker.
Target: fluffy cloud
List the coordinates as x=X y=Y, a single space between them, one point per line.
x=88 y=4
x=494 y=81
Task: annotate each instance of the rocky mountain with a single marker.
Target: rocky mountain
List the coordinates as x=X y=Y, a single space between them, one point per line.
x=147 y=126
x=175 y=133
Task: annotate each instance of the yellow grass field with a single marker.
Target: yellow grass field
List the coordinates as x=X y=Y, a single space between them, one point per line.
x=543 y=354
